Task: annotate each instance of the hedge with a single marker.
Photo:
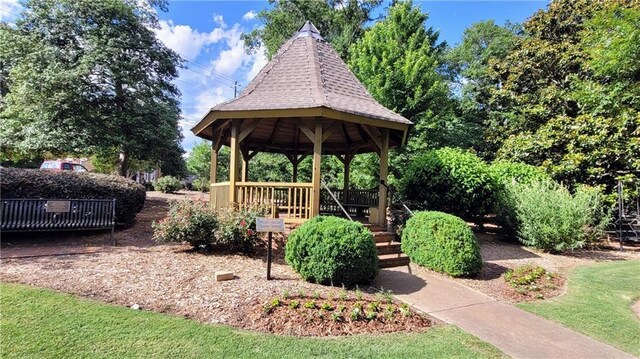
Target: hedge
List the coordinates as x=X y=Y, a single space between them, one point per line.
x=452 y=181
x=442 y=242
x=32 y=183
x=332 y=250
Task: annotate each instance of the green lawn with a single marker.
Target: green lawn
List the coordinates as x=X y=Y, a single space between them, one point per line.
x=598 y=303
x=40 y=323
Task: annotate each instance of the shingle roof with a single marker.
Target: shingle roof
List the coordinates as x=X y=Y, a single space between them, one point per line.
x=308 y=73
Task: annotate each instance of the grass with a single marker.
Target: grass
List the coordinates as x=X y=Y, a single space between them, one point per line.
x=598 y=304
x=39 y=323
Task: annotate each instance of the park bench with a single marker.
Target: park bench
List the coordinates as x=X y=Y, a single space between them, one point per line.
x=26 y=215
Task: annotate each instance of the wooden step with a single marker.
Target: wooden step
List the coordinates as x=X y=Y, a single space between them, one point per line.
x=393 y=260
x=388 y=248
x=383 y=237
x=375 y=227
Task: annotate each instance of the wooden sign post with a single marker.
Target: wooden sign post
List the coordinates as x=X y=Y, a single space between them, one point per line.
x=269 y=225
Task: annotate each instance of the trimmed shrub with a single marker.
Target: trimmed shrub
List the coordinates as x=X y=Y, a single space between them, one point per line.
x=505 y=173
x=442 y=242
x=33 y=183
x=167 y=184
x=550 y=218
x=194 y=222
x=450 y=180
x=332 y=250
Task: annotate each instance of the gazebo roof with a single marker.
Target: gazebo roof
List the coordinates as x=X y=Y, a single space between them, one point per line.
x=307 y=79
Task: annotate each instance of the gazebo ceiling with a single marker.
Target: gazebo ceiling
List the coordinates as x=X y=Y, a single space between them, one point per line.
x=305 y=82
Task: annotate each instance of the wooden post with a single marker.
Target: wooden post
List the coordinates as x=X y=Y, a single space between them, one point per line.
x=245 y=165
x=213 y=174
x=345 y=187
x=316 y=175
x=233 y=163
x=294 y=175
x=384 y=170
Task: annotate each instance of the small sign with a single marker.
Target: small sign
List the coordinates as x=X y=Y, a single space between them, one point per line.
x=58 y=206
x=264 y=224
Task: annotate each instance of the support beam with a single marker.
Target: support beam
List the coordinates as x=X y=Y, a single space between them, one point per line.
x=308 y=132
x=317 y=161
x=347 y=167
x=247 y=131
x=295 y=161
x=328 y=131
x=294 y=174
x=375 y=138
x=384 y=171
x=213 y=174
x=246 y=157
x=234 y=161
x=215 y=148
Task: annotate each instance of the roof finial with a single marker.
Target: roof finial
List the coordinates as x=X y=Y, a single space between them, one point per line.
x=309 y=30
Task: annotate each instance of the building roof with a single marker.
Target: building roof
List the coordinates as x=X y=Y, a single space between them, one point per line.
x=307 y=72
x=306 y=78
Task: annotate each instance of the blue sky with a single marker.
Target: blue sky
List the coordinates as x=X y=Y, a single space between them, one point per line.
x=207 y=34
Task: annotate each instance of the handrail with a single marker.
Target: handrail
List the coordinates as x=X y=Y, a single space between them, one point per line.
x=276 y=184
x=392 y=192
x=336 y=200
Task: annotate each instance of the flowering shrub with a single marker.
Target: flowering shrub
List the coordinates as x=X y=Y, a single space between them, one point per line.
x=193 y=222
x=205 y=229
x=237 y=228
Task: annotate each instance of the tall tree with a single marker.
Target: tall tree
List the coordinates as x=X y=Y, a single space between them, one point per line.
x=90 y=76
x=401 y=63
x=341 y=22
x=568 y=97
x=483 y=44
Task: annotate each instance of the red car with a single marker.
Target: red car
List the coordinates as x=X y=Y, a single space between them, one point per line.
x=62 y=166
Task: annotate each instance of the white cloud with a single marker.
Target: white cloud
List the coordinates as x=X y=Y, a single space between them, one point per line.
x=219 y=19
x=184 y=40
x=249 y=16
x=234 y=57
x=259 y=61
x=206 y=83
x=9 y=9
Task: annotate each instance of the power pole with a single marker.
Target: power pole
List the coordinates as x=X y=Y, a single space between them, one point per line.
x=235 y=89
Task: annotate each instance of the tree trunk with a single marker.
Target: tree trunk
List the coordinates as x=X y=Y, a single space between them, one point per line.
x=124 y=161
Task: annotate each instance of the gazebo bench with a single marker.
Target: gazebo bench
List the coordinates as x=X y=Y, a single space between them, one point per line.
x=27 y=215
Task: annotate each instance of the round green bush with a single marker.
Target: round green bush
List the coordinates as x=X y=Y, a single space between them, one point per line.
x=332 y=250
x=450 y=180
x=167 y=184
x=31 y=183
x=442 y=242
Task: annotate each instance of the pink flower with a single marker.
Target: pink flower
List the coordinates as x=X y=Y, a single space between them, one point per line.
x=249 y=232
x=243 y=223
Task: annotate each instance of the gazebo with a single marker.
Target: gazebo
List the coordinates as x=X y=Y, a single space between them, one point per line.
x=304 y=102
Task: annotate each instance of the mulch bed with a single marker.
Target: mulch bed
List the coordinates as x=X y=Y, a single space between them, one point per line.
x=172 y=278
x=316 y=316
x=547 y=286
x=500 y=254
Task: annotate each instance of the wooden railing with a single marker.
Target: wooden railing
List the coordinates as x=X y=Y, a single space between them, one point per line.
x=291 y=201
x=219 y=193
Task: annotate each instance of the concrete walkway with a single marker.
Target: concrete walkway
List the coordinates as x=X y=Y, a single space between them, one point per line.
x=517 y=333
